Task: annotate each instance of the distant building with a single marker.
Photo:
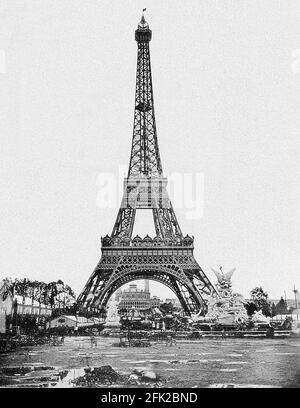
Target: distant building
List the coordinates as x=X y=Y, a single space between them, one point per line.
x=70 y=321
x=155 y=302
x=22 y=305
x=6 y=299
x=6 y=305
x=174 y=301
x=135 y=298
x=291 y=303
x=2 y=323
x=27 y=306
x=118 y=294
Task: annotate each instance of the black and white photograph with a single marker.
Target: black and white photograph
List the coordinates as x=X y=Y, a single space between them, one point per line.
x=150 y=197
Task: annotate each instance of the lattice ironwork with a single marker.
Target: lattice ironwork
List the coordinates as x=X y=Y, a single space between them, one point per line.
x=145 y=158
x=167 y=258
x=113 y=271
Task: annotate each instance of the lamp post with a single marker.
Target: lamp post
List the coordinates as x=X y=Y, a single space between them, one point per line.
x=129 y=319
x=296 y=300
x=59 y=290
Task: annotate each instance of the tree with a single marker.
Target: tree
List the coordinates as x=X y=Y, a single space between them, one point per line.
x=41 y=292
x=273 y=309
x=251 y=308
x=166 y=308
x=260 y=299
x=281 y=307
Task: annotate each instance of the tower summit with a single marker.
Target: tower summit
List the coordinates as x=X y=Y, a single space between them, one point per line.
x=145 y=158
x=168 y=257
x=143 y=33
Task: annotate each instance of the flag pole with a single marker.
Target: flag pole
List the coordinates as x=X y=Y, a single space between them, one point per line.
x=296 y=300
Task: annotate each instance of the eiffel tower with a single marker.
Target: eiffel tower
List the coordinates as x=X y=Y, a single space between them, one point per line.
x=168 y=257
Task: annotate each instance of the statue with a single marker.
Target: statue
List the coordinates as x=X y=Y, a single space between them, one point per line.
x=225 y=307
x=112 y=319
x=258 y=318
x=224 y=279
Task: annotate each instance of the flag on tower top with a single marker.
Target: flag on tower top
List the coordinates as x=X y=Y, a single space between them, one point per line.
x=144 y=9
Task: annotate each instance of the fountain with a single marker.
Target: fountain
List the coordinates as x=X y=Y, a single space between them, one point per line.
x=259 y=319
x=225 y=307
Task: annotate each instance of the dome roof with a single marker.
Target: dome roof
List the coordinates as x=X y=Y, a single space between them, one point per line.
x=157 y=238
x=143 y=25
x=137 y=240
x=125 y=241
x=187 y=240
x=169 y=241
x=106 y=241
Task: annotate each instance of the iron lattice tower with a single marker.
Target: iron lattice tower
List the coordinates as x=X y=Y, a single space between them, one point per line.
x=168 y=257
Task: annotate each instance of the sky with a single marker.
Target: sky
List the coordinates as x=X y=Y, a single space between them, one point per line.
x=226 y=78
